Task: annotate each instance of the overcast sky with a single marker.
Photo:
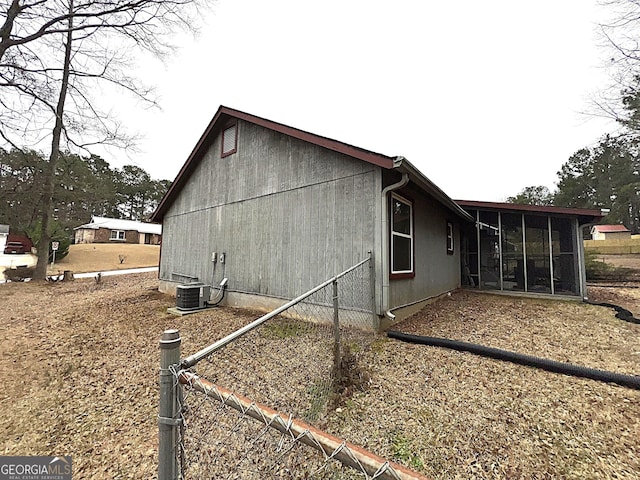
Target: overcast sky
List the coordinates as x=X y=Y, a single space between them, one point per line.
x=483 y=97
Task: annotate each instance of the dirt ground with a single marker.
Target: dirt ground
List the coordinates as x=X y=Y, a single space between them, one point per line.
x=628 y=261
x=79 y=368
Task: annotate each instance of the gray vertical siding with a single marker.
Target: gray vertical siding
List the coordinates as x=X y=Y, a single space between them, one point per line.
x=436 y=272
x=287 y=214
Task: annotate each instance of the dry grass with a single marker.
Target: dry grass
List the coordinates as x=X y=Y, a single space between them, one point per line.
x=483 y=417
x=626 y=261
x=100 y=257
x=80 y=365
x=80 y=370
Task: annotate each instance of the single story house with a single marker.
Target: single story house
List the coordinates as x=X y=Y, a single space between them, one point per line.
x=290 y=209
x=610 y=232
x=113 y=230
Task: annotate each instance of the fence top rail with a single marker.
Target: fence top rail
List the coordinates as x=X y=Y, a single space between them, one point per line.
x=332 y=447
x=205 y=352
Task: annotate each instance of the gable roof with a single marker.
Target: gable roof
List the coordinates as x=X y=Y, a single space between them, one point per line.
x=584 y=215
x=225 y=114
x=117 y=224
x=609 y=228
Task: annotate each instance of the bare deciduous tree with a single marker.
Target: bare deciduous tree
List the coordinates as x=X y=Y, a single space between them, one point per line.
x=620 y=35
x=43 y=95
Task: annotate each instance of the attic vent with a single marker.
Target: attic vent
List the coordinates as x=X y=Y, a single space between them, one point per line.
x=230 y=140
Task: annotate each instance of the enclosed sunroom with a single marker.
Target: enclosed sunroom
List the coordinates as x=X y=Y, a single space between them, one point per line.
x=525 y=248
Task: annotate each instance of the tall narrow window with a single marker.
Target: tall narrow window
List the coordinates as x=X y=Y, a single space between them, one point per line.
x=565 y=258
x=401 y=237
x=512 y=264
x=489 y=239
x=449 y=238
x=230 y=140
x=537 y=250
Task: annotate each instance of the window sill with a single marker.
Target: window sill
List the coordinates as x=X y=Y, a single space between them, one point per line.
x=229 y=153
x=400 y=276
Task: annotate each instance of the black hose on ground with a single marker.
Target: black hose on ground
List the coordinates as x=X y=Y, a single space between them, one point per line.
x=621 y=313
x=631 y=381
x=599 y=285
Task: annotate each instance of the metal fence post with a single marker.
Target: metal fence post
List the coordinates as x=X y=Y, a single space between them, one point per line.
x=372 y=292
x=336 y=329
x=168 y=420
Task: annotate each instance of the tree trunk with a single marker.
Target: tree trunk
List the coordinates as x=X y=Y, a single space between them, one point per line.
x=7 y=27
x=50 y=173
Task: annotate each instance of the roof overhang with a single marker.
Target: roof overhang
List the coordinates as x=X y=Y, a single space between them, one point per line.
x=403 y=165
x=120 y=224
x=584 y=216
x=87 y=226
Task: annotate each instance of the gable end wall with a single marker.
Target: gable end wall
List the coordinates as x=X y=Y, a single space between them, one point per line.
x=287 y=214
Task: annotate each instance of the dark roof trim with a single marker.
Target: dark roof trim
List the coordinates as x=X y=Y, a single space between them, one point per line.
x=221 y=119
x=355 y=152
x=585 y=215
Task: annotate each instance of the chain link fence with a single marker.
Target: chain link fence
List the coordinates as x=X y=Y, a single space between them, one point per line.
x=296 y=365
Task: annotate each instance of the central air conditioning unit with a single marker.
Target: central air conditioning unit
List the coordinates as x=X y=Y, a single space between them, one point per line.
x=192 y=296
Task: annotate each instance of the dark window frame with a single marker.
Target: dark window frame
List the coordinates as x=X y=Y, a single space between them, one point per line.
x=233 y=150
x=401 y=274
x=451 y=242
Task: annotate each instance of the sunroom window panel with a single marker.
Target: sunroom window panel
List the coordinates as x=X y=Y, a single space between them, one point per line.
x=565 y=258
x=537 y=246
x=489 y=250
x=512 y=252
x=469 y=269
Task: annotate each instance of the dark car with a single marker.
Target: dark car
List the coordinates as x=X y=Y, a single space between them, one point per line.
x=14 y=247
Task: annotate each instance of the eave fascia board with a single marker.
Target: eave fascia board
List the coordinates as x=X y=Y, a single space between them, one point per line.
x=186 y=169
x=404 y=166
x=325 y=142
x=585 y=216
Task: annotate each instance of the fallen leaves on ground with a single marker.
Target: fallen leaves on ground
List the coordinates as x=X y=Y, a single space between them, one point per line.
x=79 y=368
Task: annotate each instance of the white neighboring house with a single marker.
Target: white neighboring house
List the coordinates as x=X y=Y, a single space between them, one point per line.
x=113 y=230
x=4 y=233
x=610 y=232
